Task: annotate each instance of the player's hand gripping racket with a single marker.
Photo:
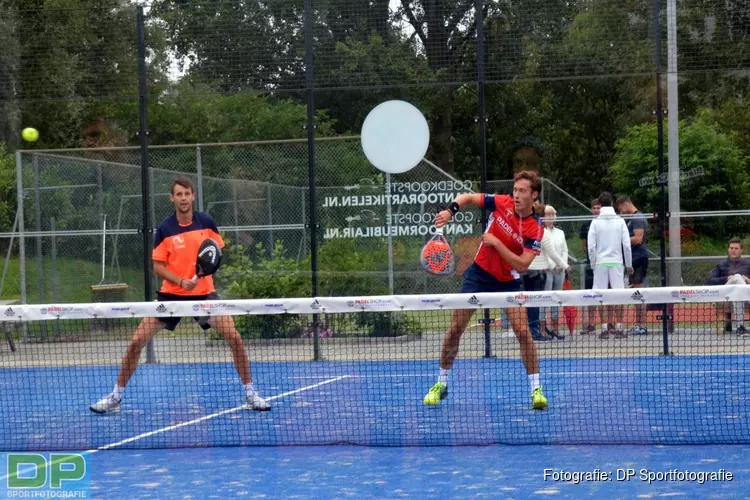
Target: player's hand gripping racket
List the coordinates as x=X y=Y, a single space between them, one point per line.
x=437 y=255
x=209 y=259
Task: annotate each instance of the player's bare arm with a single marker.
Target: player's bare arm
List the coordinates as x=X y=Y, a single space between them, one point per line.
x=462 y=200
x=163 y=272
x=637 y=237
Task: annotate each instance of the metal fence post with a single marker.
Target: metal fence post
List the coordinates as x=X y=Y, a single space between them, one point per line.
x=660 y=160
x=269 y=199
x=145 y=177
x=482 y=122
x=199 y=173
x=52 y=228
x=235 y=213
x=99 y=190
x=21 y=238
x=309 y=67
x=388 y=218
x=38 y=223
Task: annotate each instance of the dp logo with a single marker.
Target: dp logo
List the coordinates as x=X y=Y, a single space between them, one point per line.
x=54 y=472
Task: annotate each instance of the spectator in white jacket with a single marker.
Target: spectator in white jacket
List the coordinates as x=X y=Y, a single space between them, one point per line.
x=535 y=275
x=610 y=254
x=555 y=272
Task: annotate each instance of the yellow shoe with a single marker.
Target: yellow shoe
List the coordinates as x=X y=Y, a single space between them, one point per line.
x=538 y=401
x=437 y=392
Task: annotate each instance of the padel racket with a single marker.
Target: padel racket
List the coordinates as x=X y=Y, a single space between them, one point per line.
x=437 y=256
x=209 y=258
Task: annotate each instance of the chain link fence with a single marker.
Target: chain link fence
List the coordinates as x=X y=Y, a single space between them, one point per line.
x=570 y=90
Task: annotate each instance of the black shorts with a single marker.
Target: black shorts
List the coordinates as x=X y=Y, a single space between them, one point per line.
x=172 y=322
x=640 y=267
x=589 y=284
x=477 y=280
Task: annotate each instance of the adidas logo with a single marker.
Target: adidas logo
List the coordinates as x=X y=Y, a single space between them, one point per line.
x=637 y=296
x=9 y=312
x=315 y=305
x=473 y=300
x=161 y=308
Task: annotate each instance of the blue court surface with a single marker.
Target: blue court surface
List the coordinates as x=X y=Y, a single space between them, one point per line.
x=662 y=409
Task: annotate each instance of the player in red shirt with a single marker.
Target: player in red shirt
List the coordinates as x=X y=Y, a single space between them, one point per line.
x=175 y=253
x=511 y=241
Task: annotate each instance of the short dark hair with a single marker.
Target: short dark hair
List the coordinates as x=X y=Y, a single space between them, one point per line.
x=605 y=199
x=184 y=182
x=737 y=241
x=622 y=199
x=532 y=177
x=596 y=203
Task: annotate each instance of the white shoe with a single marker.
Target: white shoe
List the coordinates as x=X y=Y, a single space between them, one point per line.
x=257 y=403
x=108 y=404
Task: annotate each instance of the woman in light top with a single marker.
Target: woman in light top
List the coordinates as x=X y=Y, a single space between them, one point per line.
x=549 y=260
x=555 y=272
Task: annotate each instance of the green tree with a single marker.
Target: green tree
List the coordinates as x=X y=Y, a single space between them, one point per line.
x=67 y=61
x=7 y=189
x=714 y=170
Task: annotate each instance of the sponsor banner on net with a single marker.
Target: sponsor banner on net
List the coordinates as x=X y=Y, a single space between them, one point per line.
x=421 y=302
x=384 y=303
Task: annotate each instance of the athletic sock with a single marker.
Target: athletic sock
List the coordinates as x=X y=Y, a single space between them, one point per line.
x=604 y=327
x=443 y=377
x=534 y=381
x=249 y=389
x=117 y=391
x=619 y=326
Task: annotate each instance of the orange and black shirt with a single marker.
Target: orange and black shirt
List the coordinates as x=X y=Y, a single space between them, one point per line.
x=177 y=245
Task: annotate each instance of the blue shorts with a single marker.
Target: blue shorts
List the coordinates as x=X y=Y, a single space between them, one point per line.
x=477 y=280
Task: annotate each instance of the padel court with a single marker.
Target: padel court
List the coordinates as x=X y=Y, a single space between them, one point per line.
x=594 y=401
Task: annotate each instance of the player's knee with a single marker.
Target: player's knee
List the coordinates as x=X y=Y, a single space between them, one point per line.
x=139 y=341
x=231 y=335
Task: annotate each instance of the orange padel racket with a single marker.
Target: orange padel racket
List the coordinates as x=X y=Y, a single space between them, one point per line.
x=437 y=256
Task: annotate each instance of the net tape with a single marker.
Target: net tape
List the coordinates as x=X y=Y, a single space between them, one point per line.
x=383 y=303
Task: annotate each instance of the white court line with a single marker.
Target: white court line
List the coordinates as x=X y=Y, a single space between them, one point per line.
x=213 y=415
x=198 y=420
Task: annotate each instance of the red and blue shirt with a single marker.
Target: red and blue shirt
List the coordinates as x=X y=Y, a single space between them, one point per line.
x=518 y=234
x=177 y=246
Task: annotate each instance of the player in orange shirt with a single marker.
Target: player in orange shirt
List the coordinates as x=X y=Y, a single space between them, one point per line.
x=176 y=245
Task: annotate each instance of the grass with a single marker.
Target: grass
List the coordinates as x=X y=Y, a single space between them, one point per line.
x=74 y=278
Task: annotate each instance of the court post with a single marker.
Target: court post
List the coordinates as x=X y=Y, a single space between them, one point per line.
x=146 y=228
x=310 y=126
x=21 y=238
x=482 y=122
x=38 y=222
x=199 y=175
x=659 y=112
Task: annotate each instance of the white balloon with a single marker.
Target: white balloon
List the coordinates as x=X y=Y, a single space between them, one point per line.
x=395 y=136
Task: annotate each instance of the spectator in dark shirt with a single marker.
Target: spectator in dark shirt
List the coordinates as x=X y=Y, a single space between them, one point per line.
x=734 y=270
x=589 y=312
x=637 y=225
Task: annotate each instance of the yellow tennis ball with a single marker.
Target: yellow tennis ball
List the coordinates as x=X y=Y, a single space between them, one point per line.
x=30 y=134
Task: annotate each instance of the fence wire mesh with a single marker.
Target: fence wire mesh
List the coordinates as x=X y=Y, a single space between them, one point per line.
x=567 y=88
